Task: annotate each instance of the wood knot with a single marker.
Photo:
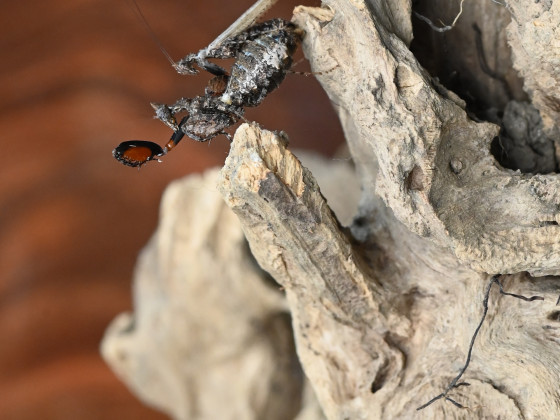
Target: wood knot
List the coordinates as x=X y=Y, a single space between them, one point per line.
x=456 y=165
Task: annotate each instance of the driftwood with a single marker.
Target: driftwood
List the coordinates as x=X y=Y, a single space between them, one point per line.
x=382 y=310
x=211 y=335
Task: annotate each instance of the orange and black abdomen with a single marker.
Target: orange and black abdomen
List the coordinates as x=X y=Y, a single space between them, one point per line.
x=137 y=152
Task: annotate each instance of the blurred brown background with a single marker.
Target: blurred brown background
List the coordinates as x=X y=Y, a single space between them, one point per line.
x=76 y=79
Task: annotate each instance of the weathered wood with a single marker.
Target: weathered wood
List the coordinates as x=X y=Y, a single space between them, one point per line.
x=210 y=338
x=211 y=335
x=395 y=114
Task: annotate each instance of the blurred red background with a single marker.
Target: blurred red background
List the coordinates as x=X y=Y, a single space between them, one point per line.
x=77 y=79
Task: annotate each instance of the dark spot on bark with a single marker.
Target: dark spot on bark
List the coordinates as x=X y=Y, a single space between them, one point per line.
x=380 y=378
x=554 y=316
x=415 y=179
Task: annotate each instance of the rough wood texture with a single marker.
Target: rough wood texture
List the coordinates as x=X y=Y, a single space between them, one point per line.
x=534 y=41
x=393 y=113
x=206 y=325
x=211 y=335
x=382 y=311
